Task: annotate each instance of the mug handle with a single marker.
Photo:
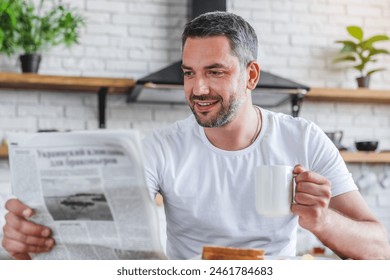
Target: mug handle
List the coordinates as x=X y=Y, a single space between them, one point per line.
x=293 y=186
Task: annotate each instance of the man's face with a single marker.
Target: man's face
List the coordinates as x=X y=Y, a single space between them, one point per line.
x=214 y=84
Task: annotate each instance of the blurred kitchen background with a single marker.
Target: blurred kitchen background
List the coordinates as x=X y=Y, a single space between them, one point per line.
x=133 y=38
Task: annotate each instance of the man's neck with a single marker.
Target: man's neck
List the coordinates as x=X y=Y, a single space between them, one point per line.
x=239 y=133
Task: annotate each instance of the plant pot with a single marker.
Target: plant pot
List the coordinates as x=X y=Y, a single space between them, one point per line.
x=363 y=82
x=30 y=62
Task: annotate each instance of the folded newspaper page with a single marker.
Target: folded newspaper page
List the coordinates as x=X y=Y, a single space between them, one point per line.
x=90 y=188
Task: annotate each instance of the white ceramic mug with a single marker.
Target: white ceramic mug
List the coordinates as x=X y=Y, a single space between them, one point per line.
x=275 y=187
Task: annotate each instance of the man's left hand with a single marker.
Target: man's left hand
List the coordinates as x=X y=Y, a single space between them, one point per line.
x=312 y=197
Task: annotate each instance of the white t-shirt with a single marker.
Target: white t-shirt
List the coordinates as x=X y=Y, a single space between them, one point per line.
x=209 y=194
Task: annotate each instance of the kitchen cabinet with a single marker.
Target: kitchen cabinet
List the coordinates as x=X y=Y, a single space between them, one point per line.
x=97 y=85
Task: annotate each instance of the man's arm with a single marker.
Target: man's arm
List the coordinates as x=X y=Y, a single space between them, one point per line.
x=21 y=236
x=355 y=231
x=343 y=223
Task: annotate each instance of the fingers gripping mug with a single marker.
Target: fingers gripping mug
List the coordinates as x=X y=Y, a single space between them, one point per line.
x=275 y=190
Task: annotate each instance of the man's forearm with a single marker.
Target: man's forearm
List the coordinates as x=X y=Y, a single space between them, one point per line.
x=354 y=239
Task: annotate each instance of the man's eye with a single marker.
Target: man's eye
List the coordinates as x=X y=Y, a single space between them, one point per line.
x=216 y=73
x=188 y=73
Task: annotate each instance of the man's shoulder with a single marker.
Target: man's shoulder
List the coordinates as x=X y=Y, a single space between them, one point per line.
x=176 y=129
x=180 y=126
x=285 y=119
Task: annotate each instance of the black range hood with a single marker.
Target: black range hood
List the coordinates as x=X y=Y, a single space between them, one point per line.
x=166 y=85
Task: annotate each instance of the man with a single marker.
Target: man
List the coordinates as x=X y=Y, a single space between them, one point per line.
x=204 y=165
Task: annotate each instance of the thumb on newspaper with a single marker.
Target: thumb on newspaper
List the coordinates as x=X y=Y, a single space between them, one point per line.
x=18 y=208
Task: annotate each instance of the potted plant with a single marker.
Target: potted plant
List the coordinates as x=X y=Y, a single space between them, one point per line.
x=361 y=52
x=32 y=29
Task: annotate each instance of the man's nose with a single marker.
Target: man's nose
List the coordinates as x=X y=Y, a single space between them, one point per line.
x=200 y=86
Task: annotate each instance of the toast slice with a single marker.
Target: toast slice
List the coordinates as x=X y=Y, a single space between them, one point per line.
x=230 y=253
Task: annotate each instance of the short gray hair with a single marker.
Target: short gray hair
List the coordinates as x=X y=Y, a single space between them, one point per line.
x=241 y=35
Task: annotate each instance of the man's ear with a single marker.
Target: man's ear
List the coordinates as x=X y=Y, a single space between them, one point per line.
x=253 y=74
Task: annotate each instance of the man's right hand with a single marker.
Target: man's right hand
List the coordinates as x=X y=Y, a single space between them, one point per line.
x=22 y=236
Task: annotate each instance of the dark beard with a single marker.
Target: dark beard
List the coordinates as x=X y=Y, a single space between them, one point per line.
x=224 y=116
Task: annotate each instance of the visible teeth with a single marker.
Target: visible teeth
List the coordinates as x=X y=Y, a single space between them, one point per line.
x=204 y=104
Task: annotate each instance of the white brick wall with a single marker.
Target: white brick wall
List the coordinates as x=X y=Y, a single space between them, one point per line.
x=131 y=38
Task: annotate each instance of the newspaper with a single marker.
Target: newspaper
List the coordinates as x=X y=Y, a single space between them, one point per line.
x=90 y=188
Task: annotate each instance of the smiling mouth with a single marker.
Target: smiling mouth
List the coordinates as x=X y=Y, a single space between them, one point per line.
x=204 y=106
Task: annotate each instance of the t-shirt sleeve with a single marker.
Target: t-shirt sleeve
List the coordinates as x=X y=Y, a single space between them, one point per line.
x=327 y=161
x=152 y=163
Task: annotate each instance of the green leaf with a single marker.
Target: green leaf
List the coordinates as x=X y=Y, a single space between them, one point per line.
x=369 y=42
x=348 y=46
x=2 y=35
x=344 y=58
x=347 y=49
x=378 y=38
x=356 y=32
x=378 y=51
x=346 y=42
x=359 y=67
x=376 y=70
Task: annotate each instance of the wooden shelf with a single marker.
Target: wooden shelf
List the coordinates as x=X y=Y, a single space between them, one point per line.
x=97 y=85
x=366 y=157
x=3 y=151
x=349 y=95
x=71 y=83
